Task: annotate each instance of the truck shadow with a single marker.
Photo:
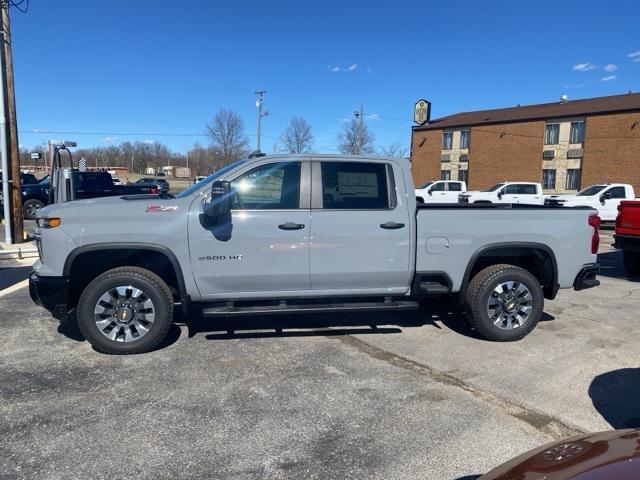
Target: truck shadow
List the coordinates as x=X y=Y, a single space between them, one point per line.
x=611 y=266
x=446 y=316
x=616 y=396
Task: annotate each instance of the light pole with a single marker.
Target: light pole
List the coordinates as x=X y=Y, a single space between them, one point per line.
x=259 y=100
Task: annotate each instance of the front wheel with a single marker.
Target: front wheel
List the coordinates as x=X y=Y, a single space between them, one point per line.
x=31 y=208
x=504 y=303
x=631 y=262
x=125 y=310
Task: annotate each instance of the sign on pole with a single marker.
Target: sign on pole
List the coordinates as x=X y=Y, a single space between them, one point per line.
x=36 y=155
x=422 y=112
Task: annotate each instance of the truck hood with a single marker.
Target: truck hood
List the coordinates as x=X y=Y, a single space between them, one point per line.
x=126 y=206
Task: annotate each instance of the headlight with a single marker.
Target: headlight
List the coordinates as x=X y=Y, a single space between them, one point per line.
x=48 y=222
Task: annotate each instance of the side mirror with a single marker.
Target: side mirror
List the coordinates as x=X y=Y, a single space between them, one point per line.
x=605 y=196
x=430 y=191
x=500 y=193
x=220 y=203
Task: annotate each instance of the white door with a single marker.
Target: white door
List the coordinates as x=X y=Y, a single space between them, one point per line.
x=360 y=229
x=610 y=200
x=264 y=245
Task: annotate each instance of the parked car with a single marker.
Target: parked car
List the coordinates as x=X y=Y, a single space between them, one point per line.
x=25 y=179
x=199 y=178
x=266 y=235
x=603 y=197
x=117 y=181
x=506 y=192
x=613 y=455
x=440 y=191
x=627 y=237
x=87 y=185
x=160 y=183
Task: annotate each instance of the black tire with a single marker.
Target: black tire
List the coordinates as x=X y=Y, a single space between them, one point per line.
x=153 y=287
x=482 y=287
x=31 y=207
x=631 y=262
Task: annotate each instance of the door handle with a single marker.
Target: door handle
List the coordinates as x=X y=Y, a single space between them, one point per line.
x=291 y=226
x=391 y=225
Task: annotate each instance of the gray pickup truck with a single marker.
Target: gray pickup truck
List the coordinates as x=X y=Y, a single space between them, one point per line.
x=305 y=234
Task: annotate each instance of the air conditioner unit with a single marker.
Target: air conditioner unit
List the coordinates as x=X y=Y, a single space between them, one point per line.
x=575 y=153
x=445 y=158
x=464 y=157
x=549 y=154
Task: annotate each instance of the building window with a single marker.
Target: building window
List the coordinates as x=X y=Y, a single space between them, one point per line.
x=447 y=140
x=552 y=134
x=548 y=179
x=463 y=176
x=573 y=179
x=577 y=132
x=445 y=174
x=465 y=138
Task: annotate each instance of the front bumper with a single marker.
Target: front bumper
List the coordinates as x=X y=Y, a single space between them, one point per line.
x=627 y=242
x=50 y=293
x=586 y=278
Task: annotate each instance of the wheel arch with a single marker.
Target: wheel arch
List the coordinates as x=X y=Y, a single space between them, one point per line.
x=537 y=258
x=85 y=263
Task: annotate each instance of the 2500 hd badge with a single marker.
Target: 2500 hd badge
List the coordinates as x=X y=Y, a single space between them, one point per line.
x=219 y=257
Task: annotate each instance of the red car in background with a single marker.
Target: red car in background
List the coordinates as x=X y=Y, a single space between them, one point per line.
x=627 y=237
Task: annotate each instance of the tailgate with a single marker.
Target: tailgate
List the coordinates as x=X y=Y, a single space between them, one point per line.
x=628 y=221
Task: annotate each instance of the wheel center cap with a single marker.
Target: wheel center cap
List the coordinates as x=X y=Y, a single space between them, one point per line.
x=125 y=315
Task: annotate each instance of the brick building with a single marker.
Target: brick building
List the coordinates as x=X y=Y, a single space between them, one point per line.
x=566 y=145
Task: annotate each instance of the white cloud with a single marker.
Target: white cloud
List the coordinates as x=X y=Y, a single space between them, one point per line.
x=352 y=67
x=334 y=69
x=369 y=70
x=608 y=78
x=634 y=54
x=109 y=139
x=373 y=116
x=637 y=59
x=583 y=67
x=611 y=67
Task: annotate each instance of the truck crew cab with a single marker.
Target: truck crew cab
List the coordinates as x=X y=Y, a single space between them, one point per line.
x=305 y=233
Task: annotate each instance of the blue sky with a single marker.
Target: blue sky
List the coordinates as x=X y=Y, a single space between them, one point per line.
x=154 y=66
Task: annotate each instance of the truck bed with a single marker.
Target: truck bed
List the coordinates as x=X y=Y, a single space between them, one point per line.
x=450 y=236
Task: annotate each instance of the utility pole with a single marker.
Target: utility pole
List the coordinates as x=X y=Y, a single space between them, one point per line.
x=6 y=192
x=259 y=100
x=11 y=127
x=360 y=118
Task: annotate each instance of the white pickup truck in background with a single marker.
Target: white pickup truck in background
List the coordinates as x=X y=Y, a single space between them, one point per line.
x=440 y=191
x=506 y=192
x=604 y=197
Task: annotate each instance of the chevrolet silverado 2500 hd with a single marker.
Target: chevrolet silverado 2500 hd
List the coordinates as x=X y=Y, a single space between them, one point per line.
x=307 y=233
x=605 y=198
x=506 y=192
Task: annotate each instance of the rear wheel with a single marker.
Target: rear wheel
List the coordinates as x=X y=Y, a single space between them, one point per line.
x=31 y=208
x=631 y=262
x=504 y=302
x=125 y=310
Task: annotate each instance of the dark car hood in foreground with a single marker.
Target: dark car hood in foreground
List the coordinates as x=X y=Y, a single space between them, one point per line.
x=612 y=455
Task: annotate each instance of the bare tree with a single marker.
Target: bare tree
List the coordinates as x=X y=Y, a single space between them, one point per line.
x=356 y=139
x=394 y=150
x=226 y=132
x=297 y=137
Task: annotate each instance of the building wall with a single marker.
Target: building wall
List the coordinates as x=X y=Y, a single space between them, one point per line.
x=612 y=150
x=425 y=156
x=514 y=152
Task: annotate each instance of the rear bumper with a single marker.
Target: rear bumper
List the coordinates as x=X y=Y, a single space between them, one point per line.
x=50 y=293
x=586 y=278
x=627 y=242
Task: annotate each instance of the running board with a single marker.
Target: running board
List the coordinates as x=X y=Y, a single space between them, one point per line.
x=284 y=308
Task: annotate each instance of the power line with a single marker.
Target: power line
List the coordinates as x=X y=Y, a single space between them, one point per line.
x=141 y=134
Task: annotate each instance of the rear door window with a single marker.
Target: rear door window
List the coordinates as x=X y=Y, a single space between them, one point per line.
x=455 y=187
x=355 y=185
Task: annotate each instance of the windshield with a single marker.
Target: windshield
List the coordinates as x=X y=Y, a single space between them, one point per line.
x=214 y=176
x=592 y=190
x=426 y=185
x=494 y=188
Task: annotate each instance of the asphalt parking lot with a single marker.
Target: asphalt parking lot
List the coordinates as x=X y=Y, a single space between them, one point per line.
x=411 y=395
